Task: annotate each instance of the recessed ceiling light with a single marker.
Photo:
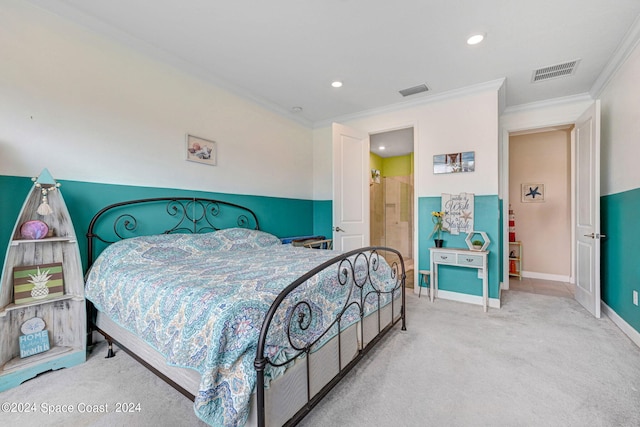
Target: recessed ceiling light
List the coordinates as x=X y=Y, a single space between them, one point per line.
x=336 y=84
x=475 y=39
x=296 y=109
x=382 y=147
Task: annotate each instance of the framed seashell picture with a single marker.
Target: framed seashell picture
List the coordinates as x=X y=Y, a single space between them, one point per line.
x=201 y=150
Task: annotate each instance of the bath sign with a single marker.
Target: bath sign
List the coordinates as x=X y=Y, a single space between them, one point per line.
x=35 y=339
x=459 y=212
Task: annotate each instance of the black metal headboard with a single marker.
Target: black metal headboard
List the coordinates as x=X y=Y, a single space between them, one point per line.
x=164 y=215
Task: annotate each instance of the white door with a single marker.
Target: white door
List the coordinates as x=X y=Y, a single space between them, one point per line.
x=588 y=209
x=350 y=188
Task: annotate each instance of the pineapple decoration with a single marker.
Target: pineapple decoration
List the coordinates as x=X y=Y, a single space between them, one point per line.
x=39 y=281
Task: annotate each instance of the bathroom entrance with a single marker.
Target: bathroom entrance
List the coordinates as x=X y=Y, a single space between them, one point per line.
x=391 y=194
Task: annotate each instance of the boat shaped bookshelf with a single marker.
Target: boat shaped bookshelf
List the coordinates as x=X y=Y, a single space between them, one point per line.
x=64 y=315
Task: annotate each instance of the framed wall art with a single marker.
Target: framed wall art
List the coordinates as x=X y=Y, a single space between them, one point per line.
x=454 y=162
x=36 y=282
x=375 y=176
x=459 y=210
x=201 y=150
x=532 y=193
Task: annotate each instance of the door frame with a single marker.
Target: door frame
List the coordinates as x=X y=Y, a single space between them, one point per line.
x=416 y=182
x=544 y=115
x=416 y=190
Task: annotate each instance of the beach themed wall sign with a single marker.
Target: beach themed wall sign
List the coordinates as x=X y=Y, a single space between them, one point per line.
x=454 y=162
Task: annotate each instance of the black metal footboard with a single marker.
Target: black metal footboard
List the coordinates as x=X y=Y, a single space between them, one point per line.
x=356 y=278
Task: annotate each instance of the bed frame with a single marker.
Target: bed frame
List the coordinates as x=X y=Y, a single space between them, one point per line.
x=198 y=215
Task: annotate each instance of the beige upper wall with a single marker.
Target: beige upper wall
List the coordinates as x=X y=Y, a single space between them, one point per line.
x=544 y=228
x=620 y=135
x=91 y=109
x=465 y=122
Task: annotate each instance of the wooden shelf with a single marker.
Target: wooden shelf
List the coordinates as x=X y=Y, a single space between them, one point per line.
x=22 y=363
x=16 y=242
x=515 y=261
x=64 y=315
x=13 y=306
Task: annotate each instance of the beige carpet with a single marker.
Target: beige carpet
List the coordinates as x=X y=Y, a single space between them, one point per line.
x=538 y=361
x=112 y=384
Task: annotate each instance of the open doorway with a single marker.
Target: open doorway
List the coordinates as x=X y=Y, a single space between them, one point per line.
x=391 y=192
x=540 y=211
x=585 y=229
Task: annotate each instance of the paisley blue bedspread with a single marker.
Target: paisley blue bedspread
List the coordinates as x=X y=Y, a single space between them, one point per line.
x=200 y=300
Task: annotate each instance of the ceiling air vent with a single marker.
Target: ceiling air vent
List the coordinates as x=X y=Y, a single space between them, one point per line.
x=414 y=90
x=555 y=71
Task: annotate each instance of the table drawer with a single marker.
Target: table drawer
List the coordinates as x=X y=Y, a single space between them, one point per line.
x=444 y=258
x=469 y=259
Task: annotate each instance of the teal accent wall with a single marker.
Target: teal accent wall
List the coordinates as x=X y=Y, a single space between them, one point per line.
x=457 y=279
x=619 y=266
x=279 y=216
x=323 y=218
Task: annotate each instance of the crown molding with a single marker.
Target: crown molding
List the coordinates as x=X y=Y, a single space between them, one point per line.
x=625 y=48
x=429 y=99
x=553 y=102
x=90 y=23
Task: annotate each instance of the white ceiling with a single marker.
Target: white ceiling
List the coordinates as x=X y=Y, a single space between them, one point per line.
x=393 y=143
x=285 y=53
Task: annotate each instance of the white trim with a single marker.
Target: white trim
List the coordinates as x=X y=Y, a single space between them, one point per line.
x=469 y=299
x=545 y=276
x=455 y=93
x=563 y=127
x=503 y=174
x=554 y=112
x=621 y=323
x=553 y=102
x=631 y=40
x=416 y=205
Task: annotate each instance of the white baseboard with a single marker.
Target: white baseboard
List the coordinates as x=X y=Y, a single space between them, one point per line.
x=545 y=276
x=622 y=324
x=457 y=296
x=470 y=299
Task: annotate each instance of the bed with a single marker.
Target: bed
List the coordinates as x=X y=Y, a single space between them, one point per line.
x=255 y=332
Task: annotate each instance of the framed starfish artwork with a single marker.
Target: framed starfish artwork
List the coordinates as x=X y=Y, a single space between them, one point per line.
x=532 y=193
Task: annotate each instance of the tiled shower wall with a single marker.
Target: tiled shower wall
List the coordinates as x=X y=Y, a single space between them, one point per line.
x=392 y=215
